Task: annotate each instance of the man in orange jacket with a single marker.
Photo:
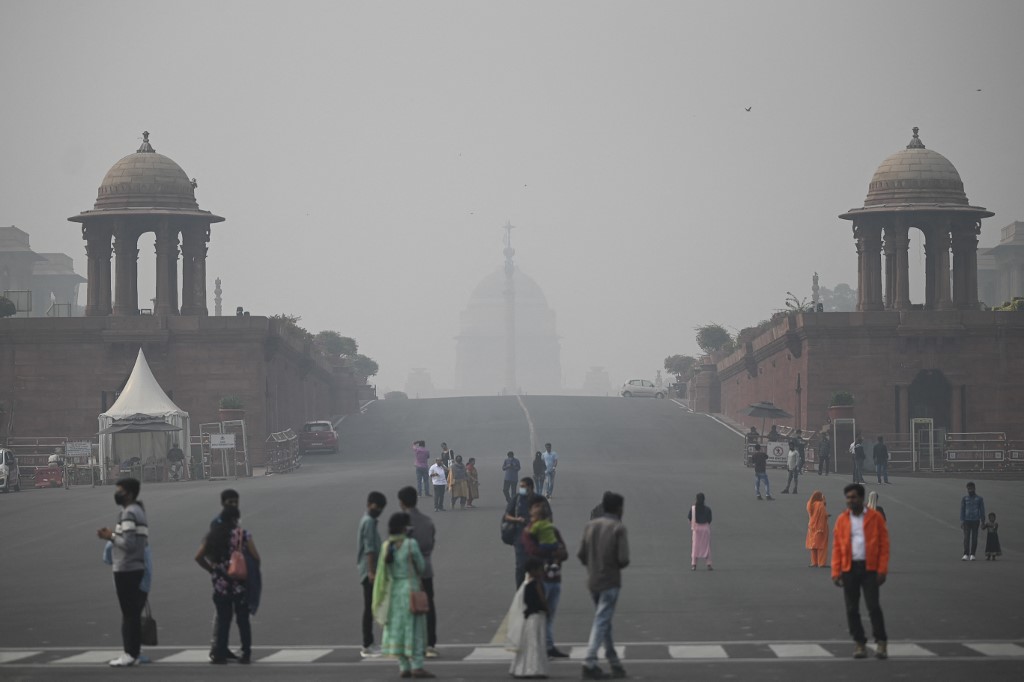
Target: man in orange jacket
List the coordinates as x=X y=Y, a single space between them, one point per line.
x=860 y=561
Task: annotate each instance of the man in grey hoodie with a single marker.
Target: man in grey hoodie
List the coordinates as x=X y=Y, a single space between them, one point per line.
x=130 y=537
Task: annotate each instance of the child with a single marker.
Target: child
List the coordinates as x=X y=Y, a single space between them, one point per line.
x=531 y=659
x=992 y=548
x=543 y=532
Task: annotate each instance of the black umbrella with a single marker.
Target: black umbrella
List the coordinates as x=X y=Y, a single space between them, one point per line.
x=766 y=410
x=139 y=423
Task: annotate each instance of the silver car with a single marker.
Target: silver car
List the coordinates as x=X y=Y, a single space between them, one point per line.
x=641 y=388
x=10 y=476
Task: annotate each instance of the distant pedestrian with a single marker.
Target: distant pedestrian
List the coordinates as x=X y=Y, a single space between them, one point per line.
x=552 y=556
x=793 y=467
x=551 y=466
x=128 y=556
x=860 y=563
x=972 y=513
x=760 y=460
x=604 y=550
x=873 y=504
x=700 y=532
x=858 y=460
x=229 y=594
x=447 y=456
x=399 y=572
x=824 y=454
x=474 y=481
x=458 y=482
x=880 y=454
x=439 y=479
x=518 y=512
x=367 y=553
x=801 y=449
x=421 y=457
x=753 y=436
x=817 y=529
x=424 y=533
x=511 y=468
x=992 y=547
x=539 y=469
x=773 y=435
x=531 y=660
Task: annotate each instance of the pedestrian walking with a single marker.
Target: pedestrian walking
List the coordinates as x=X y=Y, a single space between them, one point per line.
x=439 y=479
x=858 y=460
x=229 y=593
x=992 y=547
x=880 y=454
x=458 y=482
x=473 y=477
x=824 y=454
x=860 y=563
x=817 y=529
x=399 y=573
x=604 y=550
x=368 y=551
x=760 y=460
x=972 y=513
x=793 y=467
x=552 y=556
x=550 y=467
x=528 y=636
x=130 y=538
x=873 y=504
x=700 y=533
x=421 y=457
x=539 y=469
x=424 y=533
x=518 y=512
x=511 y=468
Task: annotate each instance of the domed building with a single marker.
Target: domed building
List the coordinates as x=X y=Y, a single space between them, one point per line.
x=482 y=349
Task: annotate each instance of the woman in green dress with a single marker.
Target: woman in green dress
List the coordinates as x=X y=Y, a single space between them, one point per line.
x=398 y=575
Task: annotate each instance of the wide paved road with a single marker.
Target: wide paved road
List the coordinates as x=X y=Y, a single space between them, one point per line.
x=761 y=614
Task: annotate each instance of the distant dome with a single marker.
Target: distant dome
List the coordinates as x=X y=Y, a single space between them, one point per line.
x=916 y=175
x=493 y=287
x=146 y=179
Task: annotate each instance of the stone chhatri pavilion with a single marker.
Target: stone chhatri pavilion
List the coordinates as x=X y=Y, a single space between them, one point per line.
x=943 y=358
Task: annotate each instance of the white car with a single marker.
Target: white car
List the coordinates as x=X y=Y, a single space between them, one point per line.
x=641 y=388
x=10 y=476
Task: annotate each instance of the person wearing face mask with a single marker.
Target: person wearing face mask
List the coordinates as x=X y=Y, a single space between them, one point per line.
x=366 y=557
x=518 y=512
x=130 y=538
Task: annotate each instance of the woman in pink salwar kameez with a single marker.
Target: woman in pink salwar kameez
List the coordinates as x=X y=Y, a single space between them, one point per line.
x=700 y=525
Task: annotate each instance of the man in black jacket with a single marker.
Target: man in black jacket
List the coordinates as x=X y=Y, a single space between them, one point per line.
x=881 y=456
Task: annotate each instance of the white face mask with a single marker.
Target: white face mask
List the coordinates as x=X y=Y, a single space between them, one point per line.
x=522 y=491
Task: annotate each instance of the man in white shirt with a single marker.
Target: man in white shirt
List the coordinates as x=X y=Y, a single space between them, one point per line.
x=793 y=464
x=438 y=479
x=550 y=458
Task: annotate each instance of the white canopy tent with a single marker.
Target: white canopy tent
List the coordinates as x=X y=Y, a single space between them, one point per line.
x=142 y=395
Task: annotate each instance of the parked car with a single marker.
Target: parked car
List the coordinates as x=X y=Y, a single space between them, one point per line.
x=318 y=436
x=10 y=475
x=641 y=388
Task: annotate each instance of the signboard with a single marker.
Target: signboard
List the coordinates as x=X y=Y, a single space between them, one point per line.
x=222 y=441
x=78 y=448
x=777 y=454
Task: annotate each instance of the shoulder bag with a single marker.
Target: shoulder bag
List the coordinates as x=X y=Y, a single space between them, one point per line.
x=509 y=529
x=418 y=601
x=237 y=570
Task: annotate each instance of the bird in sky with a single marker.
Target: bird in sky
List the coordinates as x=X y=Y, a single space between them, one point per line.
x=748 y=108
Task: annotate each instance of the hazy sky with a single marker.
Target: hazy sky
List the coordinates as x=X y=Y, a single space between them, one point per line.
x=366 y=154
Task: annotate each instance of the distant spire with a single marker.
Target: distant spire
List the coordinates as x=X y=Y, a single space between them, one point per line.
x=147 y=148
x=915 y=142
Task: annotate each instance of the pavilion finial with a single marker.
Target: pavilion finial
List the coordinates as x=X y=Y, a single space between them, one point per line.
x=146 y=147
x=915 y=142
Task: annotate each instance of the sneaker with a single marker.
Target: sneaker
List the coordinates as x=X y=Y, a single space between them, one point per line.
x=594 y=673
x=618 y=672
x=860 y=651
x=218 y=660
x=882 y=650
x=972 y=557
x=123 y=661
x=370 y=652
x=554 y=652
x=759 y=497
x=963 y=558
x=432 y=652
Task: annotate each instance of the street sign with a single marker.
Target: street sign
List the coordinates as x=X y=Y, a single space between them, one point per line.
x=78 y=448
x=222 y=441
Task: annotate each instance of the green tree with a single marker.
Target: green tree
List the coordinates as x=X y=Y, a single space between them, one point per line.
x=364 y=366
x=681 y=366
x=335 y=344
x=712 y=338
x=7 y=307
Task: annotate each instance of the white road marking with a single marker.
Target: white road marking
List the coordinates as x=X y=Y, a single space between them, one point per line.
x=91 y=657
x=490 y=653
x=697 y=651
x=578 y=653
x=909 y=651
x=533 y=432
x=800 y=651
x=10 y=656
x=990 y=649
x=296 y=656
x=188 y=656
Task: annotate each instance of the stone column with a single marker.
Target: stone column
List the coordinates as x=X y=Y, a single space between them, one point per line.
x=858 y=235
x=889 y=248
x=929 y=269
x=943 y=300
x=872 y=252
x=193 y=270
x=971 y=259
x=166 y=269
x=961 y=269
x=97 y=247
x=901 y=269
x=126 y=292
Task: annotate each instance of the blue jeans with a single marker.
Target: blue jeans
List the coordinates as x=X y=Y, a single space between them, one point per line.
x=422 y=482
x=549 y=482
x=552 y=592
x=601 y=630
x=758 y=477
x=882 y=471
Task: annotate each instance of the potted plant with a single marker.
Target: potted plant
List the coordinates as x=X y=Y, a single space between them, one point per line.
x=231 y=407
x=841 y=405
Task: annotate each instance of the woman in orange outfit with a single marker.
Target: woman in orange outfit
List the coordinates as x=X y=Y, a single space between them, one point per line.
x=817 y=529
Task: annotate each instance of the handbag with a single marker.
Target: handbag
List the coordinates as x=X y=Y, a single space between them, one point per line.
x=237 y=570
x=148 y=627
x=418 y=601
x=509 y=529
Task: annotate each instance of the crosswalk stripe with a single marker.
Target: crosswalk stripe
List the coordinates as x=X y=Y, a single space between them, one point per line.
x=490 y=653
x=91 y=657
x=11 y=656
x=578 y=653
x=997 y=649
x=697 y=651
x=909 y=651
x=187 y=656
x=295 y=656
x=800 y=651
